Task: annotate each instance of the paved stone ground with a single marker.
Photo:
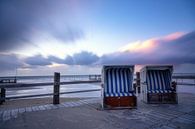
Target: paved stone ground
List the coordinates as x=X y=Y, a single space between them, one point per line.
x=84 y=114
x=13 y=113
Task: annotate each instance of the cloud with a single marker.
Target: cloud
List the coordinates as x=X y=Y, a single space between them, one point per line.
x=9 y=62
x=69 y=60
x=37 y=60
x=147 y=46
x=85 y=58
x=55 y=59
x=24 y=21
x=176 y=48
x=82 y=58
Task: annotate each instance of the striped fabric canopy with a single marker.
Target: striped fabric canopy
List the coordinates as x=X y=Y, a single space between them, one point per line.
x=118 y=82
x=158 y=81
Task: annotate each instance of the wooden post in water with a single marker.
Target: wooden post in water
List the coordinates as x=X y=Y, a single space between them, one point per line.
x=56 y=90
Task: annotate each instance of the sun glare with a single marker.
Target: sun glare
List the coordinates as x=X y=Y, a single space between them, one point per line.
x=53 y=65
x=139 y=46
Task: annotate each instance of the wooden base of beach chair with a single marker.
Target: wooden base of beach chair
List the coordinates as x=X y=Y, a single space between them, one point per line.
x=164 y=98
x=120 y=102
x=154 y=98
x=169 y=98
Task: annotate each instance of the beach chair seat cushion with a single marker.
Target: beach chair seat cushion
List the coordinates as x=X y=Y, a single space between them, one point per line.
x=119 y=94
x=160 y=91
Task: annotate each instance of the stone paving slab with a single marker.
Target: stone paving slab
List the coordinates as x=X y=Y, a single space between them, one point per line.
x=13 y=113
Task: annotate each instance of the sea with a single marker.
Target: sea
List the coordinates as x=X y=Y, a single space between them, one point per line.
x=10 y=92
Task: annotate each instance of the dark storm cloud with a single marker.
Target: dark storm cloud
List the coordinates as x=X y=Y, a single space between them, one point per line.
x=22 y=20
x=38 y=60
x=178 y=51
x=9 y=62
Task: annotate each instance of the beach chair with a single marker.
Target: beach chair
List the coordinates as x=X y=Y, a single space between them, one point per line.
x=156 y=84
x=117 y=87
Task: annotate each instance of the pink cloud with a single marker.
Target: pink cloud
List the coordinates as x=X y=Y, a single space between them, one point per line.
x=174 y=36
x=175 y=48
x=149 y=45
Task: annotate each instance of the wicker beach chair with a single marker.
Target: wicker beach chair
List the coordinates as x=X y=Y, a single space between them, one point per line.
x=156 y=84
x=117 y=87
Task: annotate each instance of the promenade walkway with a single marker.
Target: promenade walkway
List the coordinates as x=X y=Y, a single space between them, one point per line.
x=86 y=114
x=13 y=113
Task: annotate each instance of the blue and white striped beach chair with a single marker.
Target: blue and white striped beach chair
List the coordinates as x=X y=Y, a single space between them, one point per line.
x=117 y=86
x=156 y=84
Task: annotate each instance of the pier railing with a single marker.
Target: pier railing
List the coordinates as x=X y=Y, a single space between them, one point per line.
x=181 y=78
x=75 y=79
x=184 y=76
x=56 y=84
x=18 y=85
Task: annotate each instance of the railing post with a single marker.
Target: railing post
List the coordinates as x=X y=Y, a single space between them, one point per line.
x=138 y=82
x=2 y=98
x=56 y=95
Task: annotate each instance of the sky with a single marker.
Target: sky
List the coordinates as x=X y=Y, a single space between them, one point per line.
x=39 y=37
